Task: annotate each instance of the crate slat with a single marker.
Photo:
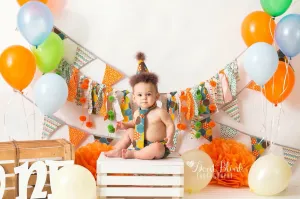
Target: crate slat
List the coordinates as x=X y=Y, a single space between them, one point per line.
x=138 y=169
x=10 y=194
x=141 y=180
x=140 y=192
x=10 y=181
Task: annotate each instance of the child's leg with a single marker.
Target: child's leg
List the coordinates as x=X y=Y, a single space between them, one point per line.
x=124 y=143
x=153 y=151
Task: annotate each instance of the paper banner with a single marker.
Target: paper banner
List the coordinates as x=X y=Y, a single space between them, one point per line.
x=232 y=109
x=64 y=69
x=258 y=146
x=104 y=140
x=50 y=125
x=76 y=136
x=72 y=86
x=175 y=140
x=254 y=86
x=83 y=57
x=291 y=155
x=111 y=76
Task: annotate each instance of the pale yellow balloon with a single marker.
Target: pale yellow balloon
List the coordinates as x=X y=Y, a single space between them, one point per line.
x=269 y=175
x=74 y=182
x=198 y=170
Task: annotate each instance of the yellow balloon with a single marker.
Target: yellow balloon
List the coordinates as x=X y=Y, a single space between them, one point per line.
x=74 y=182
x=269 y=175
x=198 y=170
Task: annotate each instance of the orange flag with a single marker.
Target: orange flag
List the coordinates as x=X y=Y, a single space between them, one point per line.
x=76 y=136
x=254 y=86
x=111 y=77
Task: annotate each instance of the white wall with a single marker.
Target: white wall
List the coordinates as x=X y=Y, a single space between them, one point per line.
x=186 y=42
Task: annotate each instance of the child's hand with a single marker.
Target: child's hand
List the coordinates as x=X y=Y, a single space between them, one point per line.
x=121 y=126
x=169 y=143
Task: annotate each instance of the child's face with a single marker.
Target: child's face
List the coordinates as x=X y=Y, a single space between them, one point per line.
x=145 y=94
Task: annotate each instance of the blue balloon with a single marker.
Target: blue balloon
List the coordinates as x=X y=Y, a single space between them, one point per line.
x=287 y=35
x=35 y=22
x=50 y=93
x=261 y=62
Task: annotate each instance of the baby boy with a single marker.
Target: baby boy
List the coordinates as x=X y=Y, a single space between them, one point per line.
x=158 y=126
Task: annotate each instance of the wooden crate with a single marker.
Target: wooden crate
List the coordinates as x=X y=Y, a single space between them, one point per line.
x=14 y=154
x=118 y=177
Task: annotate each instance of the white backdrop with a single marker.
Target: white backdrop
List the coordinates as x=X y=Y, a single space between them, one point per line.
x=186 y=42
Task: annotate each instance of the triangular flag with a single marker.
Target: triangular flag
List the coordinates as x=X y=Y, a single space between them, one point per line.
x=104 y=140
x=83 y=57
x=50 y=125
x=111 y=76
x=258 y=146
x=291 y=155
x=76 y=136
x=252 y=85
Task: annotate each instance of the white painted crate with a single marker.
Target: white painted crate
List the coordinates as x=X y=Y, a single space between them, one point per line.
x=117 y=177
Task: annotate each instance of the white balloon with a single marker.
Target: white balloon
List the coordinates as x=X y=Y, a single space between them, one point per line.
x=261 y=62
x=70 y=50
x=269 y=175
x=74 y=182
x=50 y=93
x=198 y=170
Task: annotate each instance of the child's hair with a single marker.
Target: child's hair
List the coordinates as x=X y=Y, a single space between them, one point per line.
x=145 y=77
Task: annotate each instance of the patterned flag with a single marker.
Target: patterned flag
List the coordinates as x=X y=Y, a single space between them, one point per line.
x=50 y=125
x=291 y=155
x=258 y=146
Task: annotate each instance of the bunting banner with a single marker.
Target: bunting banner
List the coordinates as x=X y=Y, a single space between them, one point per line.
x=76 y=136
x=254 y=86
x=50 y=125
x=83 y=57
x=259 y=145
x=291 y=155
x=232 y=109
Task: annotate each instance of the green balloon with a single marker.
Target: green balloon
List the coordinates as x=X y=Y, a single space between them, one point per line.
x=275 y=8
x=49 y=54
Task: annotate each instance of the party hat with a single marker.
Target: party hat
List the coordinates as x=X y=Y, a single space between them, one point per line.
x=141 y=63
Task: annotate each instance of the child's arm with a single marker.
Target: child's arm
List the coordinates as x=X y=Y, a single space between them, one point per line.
x=127 y=125
x=170 y=127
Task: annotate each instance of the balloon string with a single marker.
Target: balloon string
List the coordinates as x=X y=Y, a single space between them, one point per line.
x=25 y=116
x=264 y=110
x=4 y=119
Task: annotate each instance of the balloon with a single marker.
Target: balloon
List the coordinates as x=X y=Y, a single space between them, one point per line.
x=198 y=170
x=35 y=22
x=275 y=8
x=261 y=61
x=258 y=26
x=22 y=2
x=50 y=93
x=280 y=86
x=74 y=182
x=269 y=175
x=17 y=66
x=287 y=35
x=56 y=6
x=49 y=54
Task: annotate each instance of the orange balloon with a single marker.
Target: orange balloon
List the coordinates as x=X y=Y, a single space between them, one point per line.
x=258 y=26
x=17 y=66
x=22 y=2
x=280 y=86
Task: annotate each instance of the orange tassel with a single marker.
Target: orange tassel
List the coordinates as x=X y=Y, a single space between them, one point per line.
x=212 y=107
x=82 y=118
x=84 y=86
x=211 y=124
x=181 y=126
x=213 y=83
x=89 y=124
x=82 y=100
x=184 y=109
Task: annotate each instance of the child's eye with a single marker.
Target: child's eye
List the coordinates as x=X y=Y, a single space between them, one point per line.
x=148 y=94
x=140 y=95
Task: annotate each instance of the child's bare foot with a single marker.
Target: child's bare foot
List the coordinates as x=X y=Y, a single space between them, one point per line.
x=114 y=153
x=127 y=154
